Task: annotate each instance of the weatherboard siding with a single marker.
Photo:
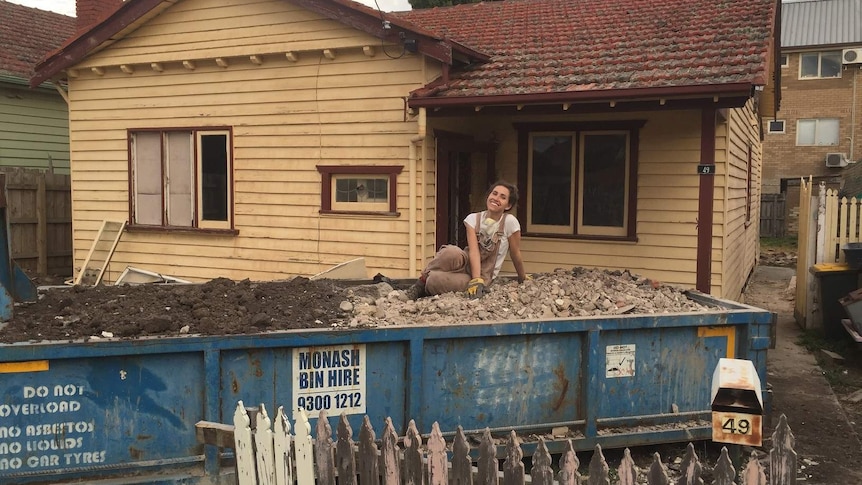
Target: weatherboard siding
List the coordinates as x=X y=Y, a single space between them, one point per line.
x=741 y=243
x=205 y=29
x=287 y=117
x=34 y=128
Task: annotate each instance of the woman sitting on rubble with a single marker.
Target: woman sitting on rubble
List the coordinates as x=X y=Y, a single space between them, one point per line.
x=490 y=235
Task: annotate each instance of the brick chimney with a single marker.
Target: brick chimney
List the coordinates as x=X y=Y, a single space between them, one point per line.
x=91 y=11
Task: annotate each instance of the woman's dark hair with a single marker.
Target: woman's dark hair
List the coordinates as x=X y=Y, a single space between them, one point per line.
x=513 y=192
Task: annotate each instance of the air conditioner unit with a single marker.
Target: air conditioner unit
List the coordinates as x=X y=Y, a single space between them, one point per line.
x=835 y=160
x=852 y=56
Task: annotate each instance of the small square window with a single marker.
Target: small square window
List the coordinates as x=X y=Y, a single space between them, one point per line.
x=776 y=126
x=358 y=189
x=785 y=60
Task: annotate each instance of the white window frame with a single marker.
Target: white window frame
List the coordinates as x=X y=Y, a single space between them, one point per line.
x=785 y=60
x=820 y=124
x=771 y=131
x=205 y=223
x=819 y=55
x=169 y=219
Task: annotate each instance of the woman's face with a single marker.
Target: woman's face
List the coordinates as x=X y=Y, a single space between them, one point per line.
x=498 y=199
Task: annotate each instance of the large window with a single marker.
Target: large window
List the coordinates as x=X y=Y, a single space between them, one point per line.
x=817 y=65
x=580 y=178
x=817 y=132
x=181 y=178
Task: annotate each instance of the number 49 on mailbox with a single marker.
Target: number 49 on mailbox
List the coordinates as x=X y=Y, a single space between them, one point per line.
x=737 y=403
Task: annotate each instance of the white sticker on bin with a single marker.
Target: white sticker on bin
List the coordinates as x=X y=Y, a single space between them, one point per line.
x=330 y=378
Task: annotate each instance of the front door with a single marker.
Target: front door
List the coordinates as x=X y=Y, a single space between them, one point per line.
x=463 y=167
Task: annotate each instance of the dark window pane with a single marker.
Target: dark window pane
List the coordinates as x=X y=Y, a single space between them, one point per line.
x=345 y=190
x=378 y=190
x=551 y=189
x=809 y=65
x=214 y=177
x=604 y=190
x=830 y=64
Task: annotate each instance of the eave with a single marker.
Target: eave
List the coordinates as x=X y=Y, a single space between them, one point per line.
x=720 y=96
x=131 y=14
x=90 y=41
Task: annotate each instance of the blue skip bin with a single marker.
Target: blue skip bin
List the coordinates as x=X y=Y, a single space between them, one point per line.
x=126 y=409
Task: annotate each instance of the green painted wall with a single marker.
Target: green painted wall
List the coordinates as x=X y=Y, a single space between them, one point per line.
x=34 y=128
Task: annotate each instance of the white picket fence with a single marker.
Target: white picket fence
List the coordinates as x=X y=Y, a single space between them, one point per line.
x=267 y=453
x=827 y=223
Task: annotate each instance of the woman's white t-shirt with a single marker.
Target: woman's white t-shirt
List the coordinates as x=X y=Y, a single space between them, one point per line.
x=490 y=226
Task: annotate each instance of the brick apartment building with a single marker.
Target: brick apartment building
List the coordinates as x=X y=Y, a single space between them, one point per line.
x=818 y=130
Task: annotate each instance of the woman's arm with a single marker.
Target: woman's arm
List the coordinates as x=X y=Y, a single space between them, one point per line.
x=515 y=253
x=473 y=251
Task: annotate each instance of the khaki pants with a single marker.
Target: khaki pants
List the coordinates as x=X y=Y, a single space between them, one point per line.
x=448 y=271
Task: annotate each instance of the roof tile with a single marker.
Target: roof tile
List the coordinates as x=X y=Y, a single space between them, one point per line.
x=552 y=46
x=27 y=35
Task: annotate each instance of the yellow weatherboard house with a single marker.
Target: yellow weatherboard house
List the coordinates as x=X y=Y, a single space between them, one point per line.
x=266 y=139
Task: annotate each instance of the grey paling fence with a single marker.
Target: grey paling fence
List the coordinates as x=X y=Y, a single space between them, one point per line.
x=772 y=207
x=39 y=214
x=269 y=452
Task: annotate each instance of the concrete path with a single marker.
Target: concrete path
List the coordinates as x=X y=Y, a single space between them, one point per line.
x=829 y=451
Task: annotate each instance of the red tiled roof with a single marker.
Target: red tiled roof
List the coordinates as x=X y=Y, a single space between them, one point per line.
x=27 y=35
x=560 y=46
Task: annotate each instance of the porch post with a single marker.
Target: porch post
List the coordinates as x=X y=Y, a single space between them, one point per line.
x=705 y=200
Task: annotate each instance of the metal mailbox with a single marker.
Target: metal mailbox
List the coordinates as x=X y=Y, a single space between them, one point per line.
x=124 y=411
x=737 y=403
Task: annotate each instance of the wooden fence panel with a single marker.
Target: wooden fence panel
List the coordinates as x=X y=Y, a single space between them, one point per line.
x=39 y=212
x=429 y=465
x=772 y=218
x=263 y=446
x=542 y=473
x=244 y=449
x=805 y=249
x=281 y=447
x=304 y=449
x=324 y=452
x=413 y=456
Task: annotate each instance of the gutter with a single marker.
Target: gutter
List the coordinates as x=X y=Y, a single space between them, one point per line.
x=19 y=81
x=708 y=90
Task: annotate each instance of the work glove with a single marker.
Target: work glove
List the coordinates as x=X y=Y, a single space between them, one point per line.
x=476 y=288
x=527 y=277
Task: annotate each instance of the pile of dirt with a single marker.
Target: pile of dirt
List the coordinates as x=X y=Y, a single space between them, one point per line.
x=223 y=307
x=218 y=307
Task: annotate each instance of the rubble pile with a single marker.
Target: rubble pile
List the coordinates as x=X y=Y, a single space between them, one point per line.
x=561 y=294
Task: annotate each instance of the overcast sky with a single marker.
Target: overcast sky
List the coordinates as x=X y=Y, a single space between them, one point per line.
x=67 y=7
